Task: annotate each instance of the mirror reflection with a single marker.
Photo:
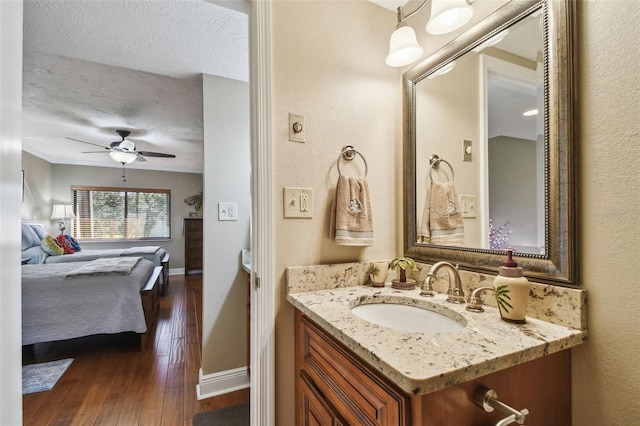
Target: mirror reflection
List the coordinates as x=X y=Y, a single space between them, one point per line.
x=483 y=115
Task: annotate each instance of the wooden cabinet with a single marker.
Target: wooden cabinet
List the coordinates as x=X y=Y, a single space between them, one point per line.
x=334 y=386
x=192 y=245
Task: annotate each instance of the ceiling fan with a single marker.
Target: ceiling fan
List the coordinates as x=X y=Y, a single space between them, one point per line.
x=124 y=151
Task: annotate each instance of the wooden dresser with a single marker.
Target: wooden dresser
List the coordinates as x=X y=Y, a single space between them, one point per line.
x=192 y=246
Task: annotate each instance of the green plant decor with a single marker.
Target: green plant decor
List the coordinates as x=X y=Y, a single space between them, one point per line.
x=195 y=201
x=403 y=263
x=502 y=297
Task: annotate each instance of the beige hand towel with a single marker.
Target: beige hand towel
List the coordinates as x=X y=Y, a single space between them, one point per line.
x=442 y=222
x=352 y=212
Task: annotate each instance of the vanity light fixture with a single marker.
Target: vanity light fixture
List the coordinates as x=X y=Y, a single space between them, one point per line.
x=446 y=16
x=530 y=112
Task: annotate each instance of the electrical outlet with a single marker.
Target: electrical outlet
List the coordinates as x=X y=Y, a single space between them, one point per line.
x=304 y=203
x=298 y=203
x=227 y=211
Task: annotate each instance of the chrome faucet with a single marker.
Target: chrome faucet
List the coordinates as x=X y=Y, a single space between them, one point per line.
x=456 y=295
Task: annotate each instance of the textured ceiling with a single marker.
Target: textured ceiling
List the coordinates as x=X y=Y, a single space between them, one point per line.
x=91 y=67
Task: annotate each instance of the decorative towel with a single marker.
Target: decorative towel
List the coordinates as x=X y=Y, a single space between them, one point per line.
x=351 y=212
x=442 y=222
x=105 y=266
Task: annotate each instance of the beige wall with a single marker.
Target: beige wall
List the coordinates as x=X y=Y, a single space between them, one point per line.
x=606 y=369
x=51 y=184
x=328 y=65
x=37 y=190
x=336 y=92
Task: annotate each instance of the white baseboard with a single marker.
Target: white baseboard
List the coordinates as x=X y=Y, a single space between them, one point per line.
x=176 y=271
x=223 y=382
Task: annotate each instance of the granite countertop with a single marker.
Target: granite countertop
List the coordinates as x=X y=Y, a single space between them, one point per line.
x=246 y=260
x=422 y=363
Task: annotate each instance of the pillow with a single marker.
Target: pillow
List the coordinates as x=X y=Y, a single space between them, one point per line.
x=51 y=246
x=74 y=243
x=34 y=255
x=29 y=237
x=65 y=244
x=39 y=230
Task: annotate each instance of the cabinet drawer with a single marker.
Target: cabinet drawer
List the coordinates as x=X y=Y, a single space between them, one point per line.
x=358 y=393
x=314 y=409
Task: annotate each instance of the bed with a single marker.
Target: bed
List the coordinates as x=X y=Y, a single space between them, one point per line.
x=33 y=253
x=75 y=299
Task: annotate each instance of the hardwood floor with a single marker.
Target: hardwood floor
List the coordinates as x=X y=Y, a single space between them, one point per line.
x=111 y=382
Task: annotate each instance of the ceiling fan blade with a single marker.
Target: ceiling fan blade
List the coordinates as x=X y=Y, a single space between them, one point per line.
x=93 y=152
x=140 y=158
x=90 y=143
x=156 y=154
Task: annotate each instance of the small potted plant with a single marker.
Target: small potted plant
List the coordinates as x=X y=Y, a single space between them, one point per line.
x=402 y=282
x=378 y=273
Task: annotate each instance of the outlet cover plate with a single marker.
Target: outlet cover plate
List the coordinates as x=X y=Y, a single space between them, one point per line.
x=468 y=204
x=227 y=211
x=297 y=203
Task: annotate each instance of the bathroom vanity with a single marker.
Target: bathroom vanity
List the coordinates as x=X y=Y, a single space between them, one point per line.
x=335 y=386
x=352 y=371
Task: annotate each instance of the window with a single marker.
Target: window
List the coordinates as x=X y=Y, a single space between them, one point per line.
x=121 y=213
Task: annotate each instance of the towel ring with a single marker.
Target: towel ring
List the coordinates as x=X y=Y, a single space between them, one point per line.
x=434 y=162
x=348 y=153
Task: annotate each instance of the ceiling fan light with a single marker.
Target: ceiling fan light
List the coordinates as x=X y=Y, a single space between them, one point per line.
x=448 y=16
x=127 y=145
x=123 y=157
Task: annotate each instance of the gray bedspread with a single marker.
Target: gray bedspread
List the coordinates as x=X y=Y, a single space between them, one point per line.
x=154 y=254
x=55 y=308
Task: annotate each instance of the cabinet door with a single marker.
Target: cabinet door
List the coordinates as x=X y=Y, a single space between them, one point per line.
x=358 y=393
x=315 y=411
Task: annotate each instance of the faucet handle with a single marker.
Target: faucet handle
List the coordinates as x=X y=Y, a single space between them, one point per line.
x=474 y=304
x=427 y=288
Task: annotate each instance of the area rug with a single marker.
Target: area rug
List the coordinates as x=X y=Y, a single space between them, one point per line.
x=237 y=415
x=42 y=377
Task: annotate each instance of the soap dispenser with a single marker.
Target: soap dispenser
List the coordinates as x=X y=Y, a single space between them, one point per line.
x=512 y=291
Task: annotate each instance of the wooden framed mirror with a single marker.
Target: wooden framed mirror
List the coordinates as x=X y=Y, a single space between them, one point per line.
x=519 y=174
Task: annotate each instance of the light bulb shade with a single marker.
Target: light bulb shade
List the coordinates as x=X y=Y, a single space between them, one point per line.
x=62 y=211
x=448 y=15
x=123 y=157
x=403 y=47
x=127 y=145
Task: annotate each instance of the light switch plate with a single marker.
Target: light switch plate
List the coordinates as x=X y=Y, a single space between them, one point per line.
x=227 y=211
x=298 y=203
x=467 y=153
x=297 y=129
x=469 y=207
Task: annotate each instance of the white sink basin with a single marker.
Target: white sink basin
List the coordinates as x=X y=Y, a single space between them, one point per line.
x=408 y=318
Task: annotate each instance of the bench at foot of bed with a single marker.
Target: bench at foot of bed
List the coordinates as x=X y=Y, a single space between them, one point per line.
x=164 y=278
